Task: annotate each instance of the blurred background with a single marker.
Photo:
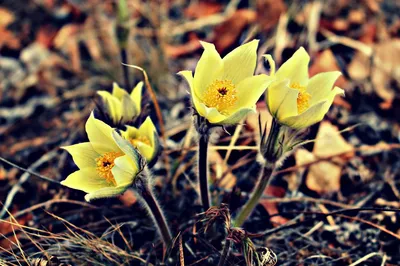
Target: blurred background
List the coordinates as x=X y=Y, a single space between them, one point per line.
x=56 y=54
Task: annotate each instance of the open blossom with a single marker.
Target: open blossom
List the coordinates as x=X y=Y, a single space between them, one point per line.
x=225 y=90
x=296 y=100
x=121 y=106
x=107 y=164
x=144 y=138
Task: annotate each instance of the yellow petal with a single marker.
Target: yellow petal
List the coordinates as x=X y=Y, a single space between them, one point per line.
x=118 y=92
x=83 y=154
x=241 y=62
x=295 y=68
x=279 y=92
x=321 y=85
x=288 y=106
x=147 y=129
x=136 y=96
x=208 y=69
x=188 y=75
x=211 y=114
x=99 y=134
x=237 y=116
x=86 y=180
x=128 y=149
x=147 y=151
x=314 y=114
x=108 y=192
x=113 y=105
x=128 y=109
x=124 y=170
x=249 y=90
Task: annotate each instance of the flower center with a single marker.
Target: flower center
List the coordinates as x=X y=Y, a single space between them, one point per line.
x=138 y=140
x=105 y=163
x=221 y=95
x=303 y=99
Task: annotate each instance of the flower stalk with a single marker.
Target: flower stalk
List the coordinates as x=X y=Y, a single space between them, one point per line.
x=271 y=149
x=262 y=184
x=203 y=129
x=143 y=188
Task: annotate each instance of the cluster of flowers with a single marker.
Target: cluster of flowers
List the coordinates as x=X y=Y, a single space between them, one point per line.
x=105 y=170
x=223 y=91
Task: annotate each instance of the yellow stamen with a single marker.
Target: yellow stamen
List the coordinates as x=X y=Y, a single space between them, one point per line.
x=105 y=163
x=141 y=139
x=221 y=94
x=303 y=99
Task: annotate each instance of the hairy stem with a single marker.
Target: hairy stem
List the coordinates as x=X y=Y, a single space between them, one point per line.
x=145 y=191
x=203 y=170
x=251 y=204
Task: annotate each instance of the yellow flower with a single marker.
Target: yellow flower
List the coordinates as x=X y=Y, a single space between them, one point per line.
x=224 y=90
x=294 y=99
x=107 y=164
x=121 y=106
x=144 y=138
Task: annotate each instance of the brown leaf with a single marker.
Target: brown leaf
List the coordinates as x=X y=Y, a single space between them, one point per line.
x=8 y=39
x=385 y=68
x=324 y=62
x=272 y=207
x=189 y=47
x=6 y=17
x=268 y=13
x=324 y=176
x=7 y=229
x=200 y=9
x=229 y=31
x=128 y=198
x=220 y=168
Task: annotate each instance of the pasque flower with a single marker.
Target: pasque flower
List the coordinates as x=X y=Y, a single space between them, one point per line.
x=224 y=90
x=107 y=164
x=121 y=106
x=294 y=99
x=144 y=138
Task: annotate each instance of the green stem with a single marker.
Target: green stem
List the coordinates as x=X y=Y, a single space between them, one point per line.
x=146 y=192
x=251 y=204
x=225 y=253
x=203 y=170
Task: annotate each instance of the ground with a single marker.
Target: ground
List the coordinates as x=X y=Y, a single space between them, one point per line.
x=335 y=201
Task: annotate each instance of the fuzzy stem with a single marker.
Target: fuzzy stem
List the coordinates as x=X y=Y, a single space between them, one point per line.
x=250 y=205
x=203 y=170
x=225 y=253
x=145 y=191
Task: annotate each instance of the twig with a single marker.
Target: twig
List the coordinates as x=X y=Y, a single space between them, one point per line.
x=370 y=255
x=157 y=109
x=14 y=190
x=50 y=202
x=29 y=171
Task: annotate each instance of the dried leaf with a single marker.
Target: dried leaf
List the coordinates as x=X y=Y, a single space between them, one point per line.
x=220 y=168
x=385 y=68
x=202 y=9
x=229 y=31
x=324 y=177
x=6 y=17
